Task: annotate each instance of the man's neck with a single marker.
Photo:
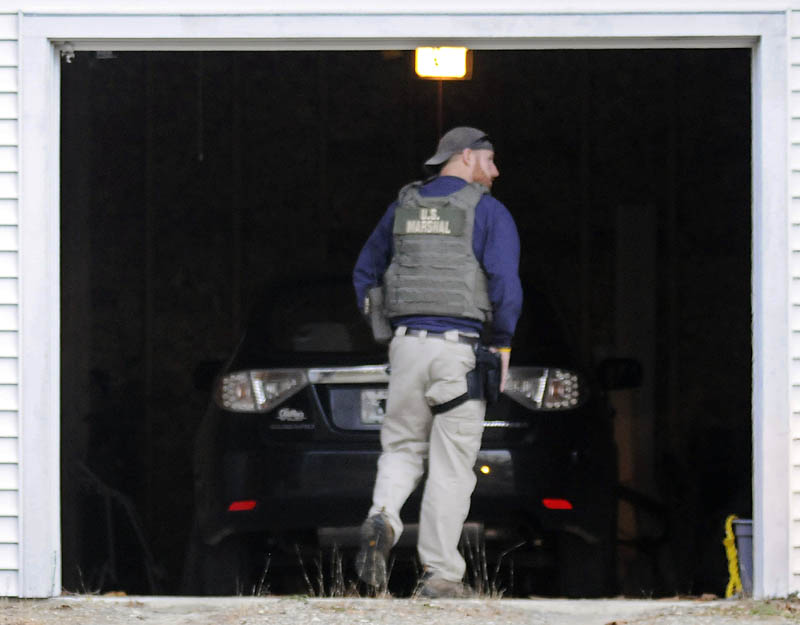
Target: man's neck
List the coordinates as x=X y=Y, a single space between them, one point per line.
x=456 y=172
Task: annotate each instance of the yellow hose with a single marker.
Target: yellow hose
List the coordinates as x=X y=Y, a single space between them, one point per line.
x=735 y=583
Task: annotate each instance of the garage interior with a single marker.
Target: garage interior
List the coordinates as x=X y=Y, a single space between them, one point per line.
x=189 y=178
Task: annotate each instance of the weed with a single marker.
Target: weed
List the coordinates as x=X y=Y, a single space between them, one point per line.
x=474 y=551
x=85 y=588
x=329 y=581
x=262 y=588
x=765 y=608
x=303 y=569
x=786 y=608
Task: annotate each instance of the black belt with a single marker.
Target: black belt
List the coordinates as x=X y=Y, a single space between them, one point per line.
x=462 y=338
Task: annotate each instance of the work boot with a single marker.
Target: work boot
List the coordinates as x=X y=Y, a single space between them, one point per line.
x=377 y=537
x=432 y=587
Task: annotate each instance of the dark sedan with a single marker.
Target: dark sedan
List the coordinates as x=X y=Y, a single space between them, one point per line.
x=286 y=456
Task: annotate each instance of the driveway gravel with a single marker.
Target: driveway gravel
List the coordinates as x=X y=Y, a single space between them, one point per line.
x=91 y=610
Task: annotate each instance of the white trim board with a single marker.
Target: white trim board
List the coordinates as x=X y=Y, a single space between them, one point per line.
x=391 y=7
x=368 y=31
x=40 y=513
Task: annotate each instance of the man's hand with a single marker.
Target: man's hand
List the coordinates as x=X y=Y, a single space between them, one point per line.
x=505 y=359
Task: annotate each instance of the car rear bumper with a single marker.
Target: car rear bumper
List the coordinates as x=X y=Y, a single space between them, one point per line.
x=288 y=490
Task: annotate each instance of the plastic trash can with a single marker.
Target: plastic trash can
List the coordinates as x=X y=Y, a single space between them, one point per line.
x=743 y=531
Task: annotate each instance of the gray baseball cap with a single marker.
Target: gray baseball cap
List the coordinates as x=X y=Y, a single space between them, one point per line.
x=458 y=139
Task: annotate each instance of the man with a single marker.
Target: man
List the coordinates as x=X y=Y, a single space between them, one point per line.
x=447 y=255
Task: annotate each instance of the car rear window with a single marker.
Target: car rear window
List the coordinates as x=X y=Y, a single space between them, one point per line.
x=322 y=318
x=311 y=318
x=542 y=334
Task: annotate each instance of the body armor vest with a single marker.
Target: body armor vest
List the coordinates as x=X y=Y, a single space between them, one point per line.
x=434 y=270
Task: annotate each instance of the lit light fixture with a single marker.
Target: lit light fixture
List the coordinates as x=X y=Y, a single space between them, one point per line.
x=444 y=63
x=485 y=469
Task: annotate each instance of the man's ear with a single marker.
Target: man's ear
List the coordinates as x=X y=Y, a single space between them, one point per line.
x=467 y=156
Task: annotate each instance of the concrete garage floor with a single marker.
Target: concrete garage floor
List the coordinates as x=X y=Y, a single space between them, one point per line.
x=91 y=610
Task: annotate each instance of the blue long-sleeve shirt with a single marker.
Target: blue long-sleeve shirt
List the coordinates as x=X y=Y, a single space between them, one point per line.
x=495 y=242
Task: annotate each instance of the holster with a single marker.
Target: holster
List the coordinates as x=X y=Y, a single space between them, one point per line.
x=376 y=317
x=483 y=382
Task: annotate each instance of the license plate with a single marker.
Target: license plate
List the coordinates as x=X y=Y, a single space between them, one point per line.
x=373 y=405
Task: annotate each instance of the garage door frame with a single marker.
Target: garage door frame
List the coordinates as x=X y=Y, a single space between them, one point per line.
x=45 y=37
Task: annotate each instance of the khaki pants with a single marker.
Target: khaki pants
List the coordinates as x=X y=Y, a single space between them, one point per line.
x=427 y=371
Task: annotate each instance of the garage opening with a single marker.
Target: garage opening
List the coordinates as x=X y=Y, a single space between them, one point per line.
x=191 y=180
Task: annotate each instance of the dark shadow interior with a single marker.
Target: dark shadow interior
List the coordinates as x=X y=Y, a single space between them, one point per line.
x=189 y=178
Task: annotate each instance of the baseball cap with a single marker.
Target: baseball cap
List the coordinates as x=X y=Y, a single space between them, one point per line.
x=458 y=139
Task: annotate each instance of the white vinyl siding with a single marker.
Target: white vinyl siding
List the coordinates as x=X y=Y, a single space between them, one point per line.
x=9 y=300
x=794 y=297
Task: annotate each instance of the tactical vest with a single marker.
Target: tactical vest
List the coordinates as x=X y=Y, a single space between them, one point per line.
x=434 y=270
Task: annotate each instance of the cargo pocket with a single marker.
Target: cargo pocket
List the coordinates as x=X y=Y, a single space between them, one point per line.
x=449 y=370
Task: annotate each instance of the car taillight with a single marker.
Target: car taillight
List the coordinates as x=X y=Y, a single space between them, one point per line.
x=244 y=505
x=557 y=504
x=259 y=390
x=544 y=388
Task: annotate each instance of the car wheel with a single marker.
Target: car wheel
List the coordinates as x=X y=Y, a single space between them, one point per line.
x=586 y=568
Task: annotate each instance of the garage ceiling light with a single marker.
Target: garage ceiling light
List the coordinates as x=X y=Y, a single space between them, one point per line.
x=445 y=63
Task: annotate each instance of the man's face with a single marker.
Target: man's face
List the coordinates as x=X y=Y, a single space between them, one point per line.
x=484 y=170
